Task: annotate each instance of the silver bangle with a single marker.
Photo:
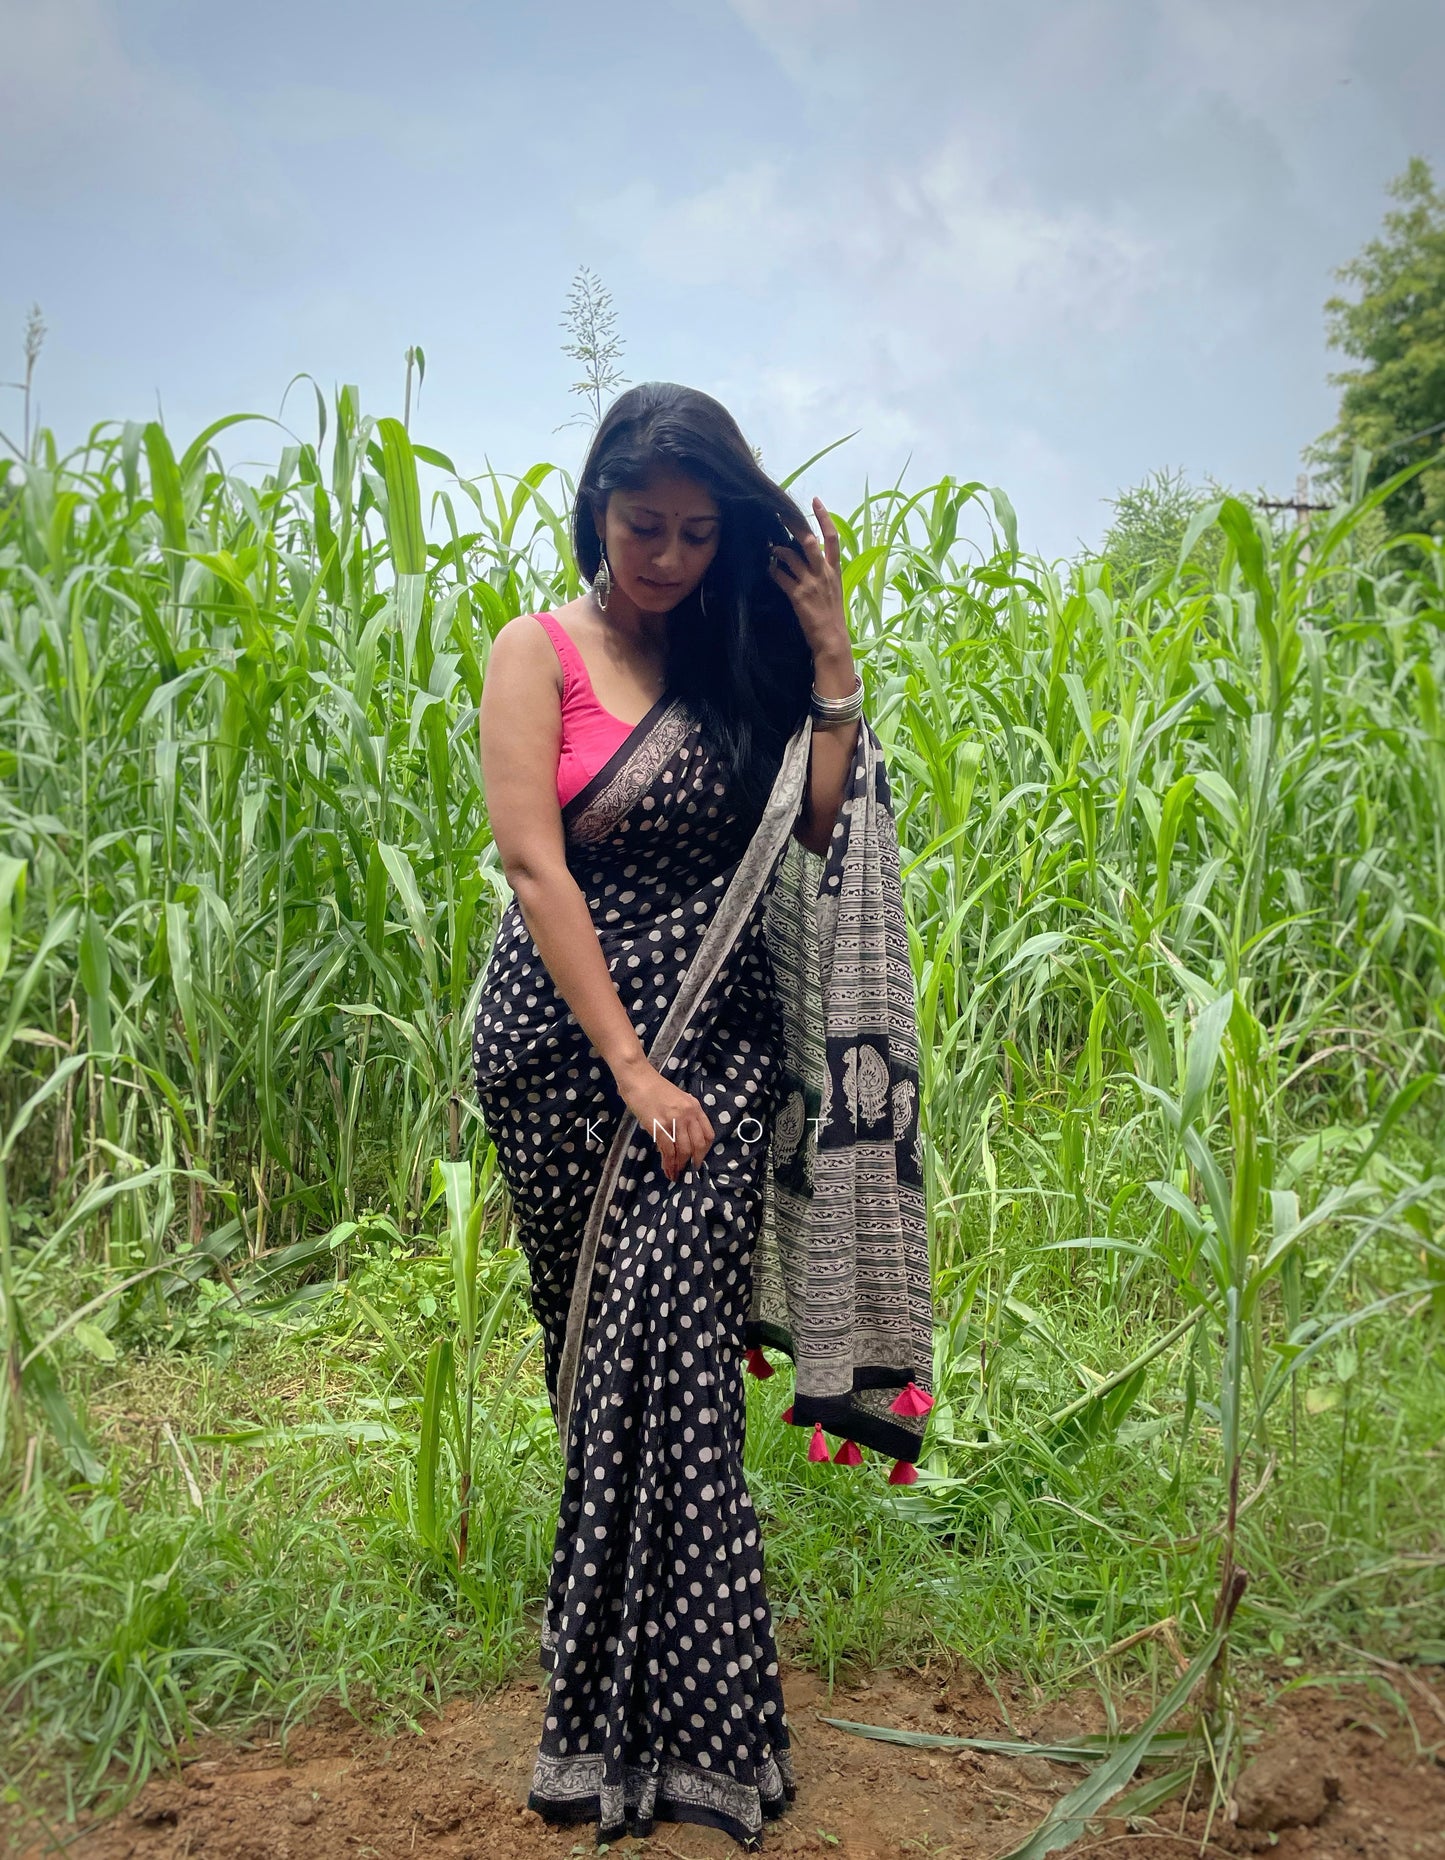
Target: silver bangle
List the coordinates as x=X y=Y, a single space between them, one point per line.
x=838 y=710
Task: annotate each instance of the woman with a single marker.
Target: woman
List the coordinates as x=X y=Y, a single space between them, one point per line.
x=696 y=1051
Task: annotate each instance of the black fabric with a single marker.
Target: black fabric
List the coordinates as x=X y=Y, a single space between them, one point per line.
x=664 y=1700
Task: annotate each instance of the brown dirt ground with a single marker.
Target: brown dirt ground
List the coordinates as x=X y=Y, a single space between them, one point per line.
x=1373 y=1784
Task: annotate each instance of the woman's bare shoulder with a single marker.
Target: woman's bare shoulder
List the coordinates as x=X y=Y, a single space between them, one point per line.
x=526 y=634
x=522 y=653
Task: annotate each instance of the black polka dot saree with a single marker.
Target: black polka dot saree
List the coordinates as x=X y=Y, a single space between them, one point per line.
x=776 y=987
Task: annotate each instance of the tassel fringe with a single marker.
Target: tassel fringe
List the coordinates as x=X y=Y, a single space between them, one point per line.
x=848 y=1454
x=759 y=1366
x=817 y=1446
x=904 y=1473
x=911 y=1401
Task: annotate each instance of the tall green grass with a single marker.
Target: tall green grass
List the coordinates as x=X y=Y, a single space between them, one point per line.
x=1174 y=861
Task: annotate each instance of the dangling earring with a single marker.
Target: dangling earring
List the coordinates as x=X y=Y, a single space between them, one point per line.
x=602 y=581
x=702 y=598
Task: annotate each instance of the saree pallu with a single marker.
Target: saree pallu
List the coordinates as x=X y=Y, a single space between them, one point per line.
x=775 y=986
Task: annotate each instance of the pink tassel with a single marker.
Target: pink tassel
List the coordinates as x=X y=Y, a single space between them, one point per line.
x=848 y=1455
x=904 y=1473
x=788 y=1415
x=817 y=1446
x=912 y=1400
x=759 y=1366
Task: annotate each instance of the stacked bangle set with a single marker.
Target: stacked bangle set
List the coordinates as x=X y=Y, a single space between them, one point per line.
x=838 y=710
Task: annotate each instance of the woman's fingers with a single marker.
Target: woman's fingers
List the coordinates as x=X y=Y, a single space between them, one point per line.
x=684 y=1139
x=811 y=551
x=832 y=548
x=806 y=554
x=700 y=1135
x=793 y=571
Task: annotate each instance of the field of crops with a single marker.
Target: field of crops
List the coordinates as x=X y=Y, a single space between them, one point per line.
x=273 y=1428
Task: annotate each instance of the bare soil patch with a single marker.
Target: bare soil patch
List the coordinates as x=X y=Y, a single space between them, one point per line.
x=1335 y=1776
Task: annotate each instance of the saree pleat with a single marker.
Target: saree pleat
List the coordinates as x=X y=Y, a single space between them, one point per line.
x=735 y=961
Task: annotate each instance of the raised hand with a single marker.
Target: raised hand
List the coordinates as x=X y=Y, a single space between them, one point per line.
x=809 y=573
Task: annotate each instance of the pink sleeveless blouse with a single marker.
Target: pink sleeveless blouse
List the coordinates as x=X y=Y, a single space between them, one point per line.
x=590 y=734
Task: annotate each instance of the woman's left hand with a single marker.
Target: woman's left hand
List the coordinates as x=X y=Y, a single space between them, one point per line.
x=809 y=573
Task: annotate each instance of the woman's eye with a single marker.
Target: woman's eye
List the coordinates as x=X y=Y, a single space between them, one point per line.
x=636 y=531
x=697 y=542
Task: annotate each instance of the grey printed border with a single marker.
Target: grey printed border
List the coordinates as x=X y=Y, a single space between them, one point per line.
x=628 y=772
x=566 y=1780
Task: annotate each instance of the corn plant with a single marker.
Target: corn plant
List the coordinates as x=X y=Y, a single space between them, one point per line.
x=486 y=1294
x=1173 y=857
x=239 y=739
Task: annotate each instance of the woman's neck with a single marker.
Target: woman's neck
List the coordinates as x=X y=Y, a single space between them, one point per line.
x=642 y=634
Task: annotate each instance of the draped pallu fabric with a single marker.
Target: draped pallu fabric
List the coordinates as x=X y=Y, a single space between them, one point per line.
x=775 y=986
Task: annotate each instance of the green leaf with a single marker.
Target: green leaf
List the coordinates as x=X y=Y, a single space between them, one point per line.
x=166 y=492
x=1203 y=1056
x=95 y=980
x=1069 y=1818
x=93 y=1339
x=808 y=463
x=403 y=499
x=1238 y=523
x=32 y=1104
x=178 y=949
x=435 y=1395
x=1007 y=517
x=198 y=447
x=1062 y=1750
x=429 y=456
x=12 y=903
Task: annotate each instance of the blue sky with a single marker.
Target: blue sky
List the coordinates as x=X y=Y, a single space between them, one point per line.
x=1051 y=245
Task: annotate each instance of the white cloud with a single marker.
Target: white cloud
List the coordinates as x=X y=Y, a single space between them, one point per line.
x=901 y=310
x=740 y=230
x=1050 y=244
x=965 y=235
x=943 y=251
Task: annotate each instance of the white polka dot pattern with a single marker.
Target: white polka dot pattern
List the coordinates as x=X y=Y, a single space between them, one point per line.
x=664 y=1699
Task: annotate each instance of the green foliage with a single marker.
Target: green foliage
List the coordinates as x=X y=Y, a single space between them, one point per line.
x=244 y=1573
x=1151 y=521
x=1393 y=407
x=1174 y=864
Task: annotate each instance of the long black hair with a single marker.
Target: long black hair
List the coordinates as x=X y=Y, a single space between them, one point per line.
x=735 y=650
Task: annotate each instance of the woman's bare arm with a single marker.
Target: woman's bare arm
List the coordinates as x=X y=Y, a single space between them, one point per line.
x=520 y=724
x=810 y=573
x=520 y=727
x=831 y=756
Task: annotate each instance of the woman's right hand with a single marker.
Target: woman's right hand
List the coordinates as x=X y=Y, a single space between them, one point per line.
x=673 y=1118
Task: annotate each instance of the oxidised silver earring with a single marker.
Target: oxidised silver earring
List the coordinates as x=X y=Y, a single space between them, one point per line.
x=602 y=581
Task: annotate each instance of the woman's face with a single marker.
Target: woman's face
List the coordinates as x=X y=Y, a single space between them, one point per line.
x=661 y=540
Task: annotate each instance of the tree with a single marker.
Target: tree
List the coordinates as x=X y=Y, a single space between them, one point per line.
x=1394 y=406
x=591 y=322
x=1149 y=525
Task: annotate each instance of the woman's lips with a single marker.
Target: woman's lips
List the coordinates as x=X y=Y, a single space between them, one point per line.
x=663 y=587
